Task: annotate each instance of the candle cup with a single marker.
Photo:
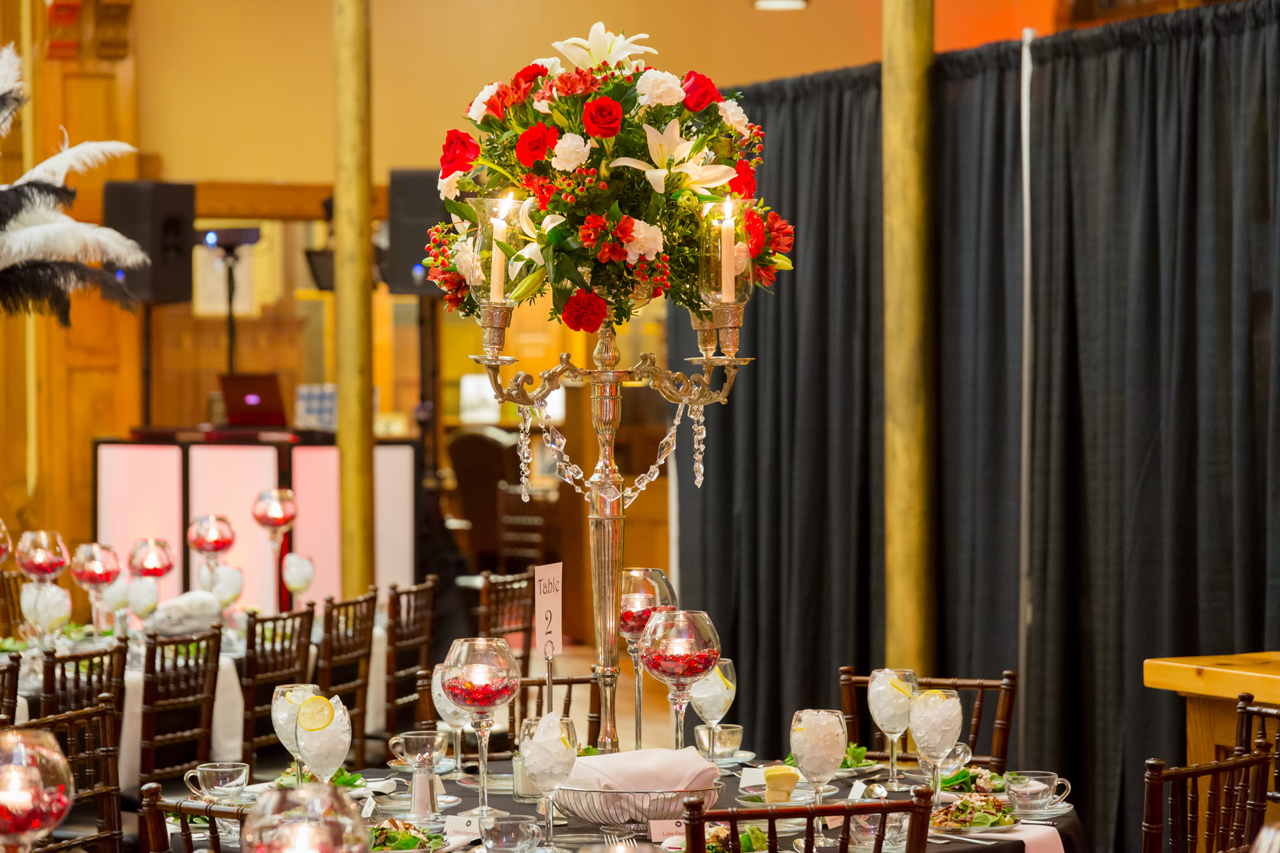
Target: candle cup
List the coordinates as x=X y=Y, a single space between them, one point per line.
x=498 y=221
x=275 y=511
x=726 y=269
x=481 y=675
x=95 y=567
x=679 y=647
x=211 y=536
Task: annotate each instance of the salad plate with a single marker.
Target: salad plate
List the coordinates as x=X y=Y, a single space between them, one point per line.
x=973 y=813
x=802 y=787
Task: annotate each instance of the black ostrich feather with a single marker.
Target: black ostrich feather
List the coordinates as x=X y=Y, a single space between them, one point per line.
x=45 y=286
x=22 y=197
x=11 y=101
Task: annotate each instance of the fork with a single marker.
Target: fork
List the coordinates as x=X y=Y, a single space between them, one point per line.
x=936 y=837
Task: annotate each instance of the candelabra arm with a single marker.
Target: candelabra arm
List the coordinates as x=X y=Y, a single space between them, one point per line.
x=692 y=390
x=518 y=391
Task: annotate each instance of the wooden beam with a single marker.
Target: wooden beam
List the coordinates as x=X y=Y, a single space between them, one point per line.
x=908 y=358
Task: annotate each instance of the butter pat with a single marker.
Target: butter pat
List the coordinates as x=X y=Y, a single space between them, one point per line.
x=779 y=782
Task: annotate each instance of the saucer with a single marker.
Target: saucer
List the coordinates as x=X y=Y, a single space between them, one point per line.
x=1052 y=812
x=740 y=757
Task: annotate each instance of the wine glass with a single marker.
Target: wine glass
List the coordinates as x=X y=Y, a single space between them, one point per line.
x=549 y=749
x=818 y=742
x=304 y=819
x=481 y=675
x=453 y=716
x=889 y=699
x=420 y=750
x=150 y=558
x=297 y=573
x=935 y=720
x=678 y=647
x=95 y=567
x=36 y=787
x=286 y=699
x=644 y=592
x=712 y=695
x=41 y=555
x=323 y=735
x=275 y=511
x=211 y=536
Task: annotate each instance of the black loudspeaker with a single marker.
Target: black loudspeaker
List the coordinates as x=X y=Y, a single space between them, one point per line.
x=160 y=217
x=413 y=207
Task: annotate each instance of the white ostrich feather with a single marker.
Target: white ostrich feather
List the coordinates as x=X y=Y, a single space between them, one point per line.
x=10 y=69
x=61 y=238
x=78 y=158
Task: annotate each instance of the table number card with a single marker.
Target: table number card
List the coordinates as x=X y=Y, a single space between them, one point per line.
x=661 y=830
x=547 y=607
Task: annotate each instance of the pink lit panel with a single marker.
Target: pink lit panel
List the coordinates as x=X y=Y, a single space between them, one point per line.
x=317 y=533
x=224 y=480
x=393 y=515
x=139 y=496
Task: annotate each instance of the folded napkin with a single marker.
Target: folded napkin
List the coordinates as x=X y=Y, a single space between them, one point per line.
x=644 y=770
x=194 y=603
x=1036 y=839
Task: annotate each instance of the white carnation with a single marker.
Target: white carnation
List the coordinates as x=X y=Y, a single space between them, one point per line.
x=733 y=116
x=476 y=111
x=552 y=64
x=571 y=152
x=448 y=186
x=646 y=240
x=739 y=258
x=468 y=263
x=658 y=88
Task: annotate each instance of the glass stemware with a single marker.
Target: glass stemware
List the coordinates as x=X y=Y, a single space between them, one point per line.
x=935 y=721
x=36 y=787
x=420 y=750
x=275 y=510
x=456 y=718
x=818 y=742
x=323 y=735
x=95 y=567
x=150 y=558
x=678 y=647
x=712 y=695
x=549 y=749
x=6 y=543
x=286 y=699
x=644 y=592
x=481 y=675
x=41 y=555
x=889 y=699
x=304 y=819
x=211 y=536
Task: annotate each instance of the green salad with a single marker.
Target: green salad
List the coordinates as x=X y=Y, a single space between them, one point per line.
x=970 y=780
x=751 y=841
x=394 y=834
x=973 y=811
x=854 y=757
x=342 y=779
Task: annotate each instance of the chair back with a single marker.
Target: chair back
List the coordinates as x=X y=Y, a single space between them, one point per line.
x=88 y=739
x=1235 y=803
x=410 y=627
x=9 y=671
x=153 y=833
x=506 y=607
x=696 y=819
x=482 y=457
x=11 y=618
x=277 y=651
x=538 y=686
x=853 y=690
x=342 y=667
x=179 y=685
x=523 y=527
x=74 y=681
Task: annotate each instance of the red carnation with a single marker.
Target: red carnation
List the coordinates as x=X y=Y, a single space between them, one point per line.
x=584 y=312
x=745 y=184
x=533 y=144
x=781 y=234
x=459 y=153
x=589 y=232
x=699 y=92
x=529 y=74
x=754 y=226
x=602 y=117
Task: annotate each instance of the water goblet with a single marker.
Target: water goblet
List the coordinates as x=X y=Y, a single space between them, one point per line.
x=889 y=699
x=678 y=647
x=453 y=716
x=275 y=511
x=297 y=573
x=935 y=719
x=211 y=536
x=36 y=787
x=286 y=699
x=323 y=735
x=818 y=742
x=41 y=555
x=481 y=675
x=150 y=558
x=420 y=750
x=95 y=567
x=549 y=749
x=711 y=697
x=644 y=592
x=509 y=833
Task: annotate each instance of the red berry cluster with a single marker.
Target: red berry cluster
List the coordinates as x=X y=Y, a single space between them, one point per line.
x=656 y=272
x=481 y=697
x=751 y=146
x=439 y=244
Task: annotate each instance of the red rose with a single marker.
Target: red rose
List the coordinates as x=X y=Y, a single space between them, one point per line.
x=459 y=153
x=745 y=184
x=584 y=312
x=602 y=117
x=781 y=234
x=533 y=144
x=754 y=226
x=699 y=92
x=529 y=73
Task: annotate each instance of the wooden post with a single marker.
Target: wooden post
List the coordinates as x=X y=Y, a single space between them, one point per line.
x=908 y=375
x=354 y=293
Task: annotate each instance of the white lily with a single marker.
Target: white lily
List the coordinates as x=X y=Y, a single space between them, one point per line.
x=526 y=221
x=668 y=147
x=601 y=46
x=531 y=252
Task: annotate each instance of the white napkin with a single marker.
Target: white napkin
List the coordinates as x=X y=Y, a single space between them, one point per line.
x=194 y=603
x=1037 y=839
x=644 y=770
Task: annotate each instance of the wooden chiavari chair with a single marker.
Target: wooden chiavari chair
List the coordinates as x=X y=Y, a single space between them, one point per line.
x=410 y=625
x=522 y=528
x=11 y=603
x=1235 y=803
x=153 y=833
x=179 y=683
x=277 y=651
x=345 y=647
x=88 y=739
x=74 y=681
x=918 y=807
x=1006 y=687
x=9 y=688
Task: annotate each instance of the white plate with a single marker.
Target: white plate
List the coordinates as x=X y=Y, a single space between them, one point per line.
x=756 y=801
x=740 y=757
x=982 y=830
x=398 y=803
x=800 y=786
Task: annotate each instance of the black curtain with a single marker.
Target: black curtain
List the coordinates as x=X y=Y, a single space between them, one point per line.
x=1156 y=491
x=783 y=544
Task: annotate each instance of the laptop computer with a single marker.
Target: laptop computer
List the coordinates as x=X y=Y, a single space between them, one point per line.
x=252 y=399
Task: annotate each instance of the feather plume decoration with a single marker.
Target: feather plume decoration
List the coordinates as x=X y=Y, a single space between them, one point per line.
x=64 y=239
x=77 y=158
x=46 y=287
x=12 y=95
x=16 y=200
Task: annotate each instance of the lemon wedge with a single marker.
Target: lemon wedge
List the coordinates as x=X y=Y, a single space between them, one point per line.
x=723 y=680
x=934 y=693
x=315 y=714
x=900 y=687
x=297 y=697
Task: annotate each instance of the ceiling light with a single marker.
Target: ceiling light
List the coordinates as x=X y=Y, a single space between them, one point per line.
x=781 y=5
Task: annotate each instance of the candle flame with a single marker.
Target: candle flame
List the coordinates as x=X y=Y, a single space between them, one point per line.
x=728 y=211
x=505 y=206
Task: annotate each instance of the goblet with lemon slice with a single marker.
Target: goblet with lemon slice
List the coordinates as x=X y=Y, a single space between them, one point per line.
x=286 y=701
x=889 y=699
x=324 y=736
x=936 y=718
x=711 y=697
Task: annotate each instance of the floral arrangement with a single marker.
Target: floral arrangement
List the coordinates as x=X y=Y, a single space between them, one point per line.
x=611 y=165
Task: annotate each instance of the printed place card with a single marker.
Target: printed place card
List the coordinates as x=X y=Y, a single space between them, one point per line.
x=661 y=830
